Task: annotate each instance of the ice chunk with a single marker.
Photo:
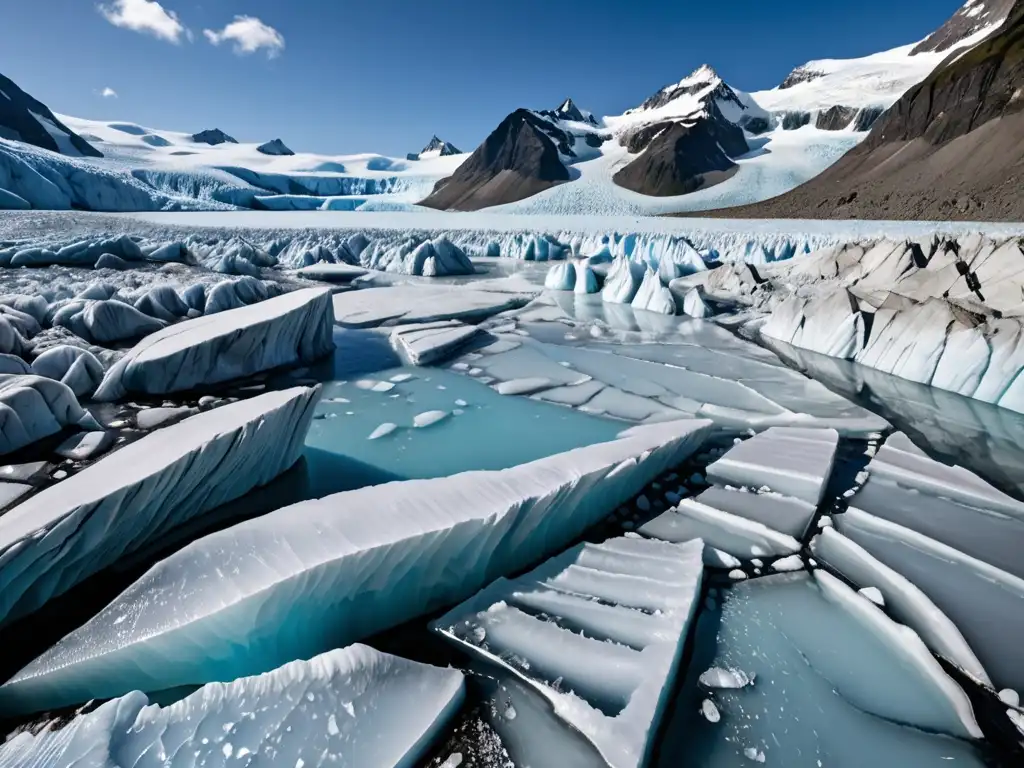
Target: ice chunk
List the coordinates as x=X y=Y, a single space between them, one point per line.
x=342 y=567
x=739 y=537
x=623 y=281
x=291 y=329
x=905 y=644
x=429 y=343
x=151 y=418
x=420 y=304
x=605 y=656
x=874 y=594
x=332 y=273
x=32 y=408
x=77 y=368
x=11 y=492
x=105 y=322
x=789 y=460
x=525 y=386
x=652 y=296
x=719 y=678
x=428 y=418
x=710 y=711
x=354 y=707
x=383 y=430
x=782 y=513
x=694 y=304
x=132 y=497
x=561 y=277
x=787 y=564
x=85 y=445
x=983 y=602
x=586 y=279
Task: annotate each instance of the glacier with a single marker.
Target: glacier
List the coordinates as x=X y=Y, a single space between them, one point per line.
x=139 y=493
x=34 y=407
x=351 y=707
x=337 y=569
x=598 y=630
x=431 y=343
x=409 y=304
x=291 y=329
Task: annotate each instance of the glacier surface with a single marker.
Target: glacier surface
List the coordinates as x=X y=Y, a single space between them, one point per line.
x=33 y=407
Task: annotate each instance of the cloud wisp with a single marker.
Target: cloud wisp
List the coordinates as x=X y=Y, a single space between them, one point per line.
x=147 y=17
x=249 y=35
x=108 y=93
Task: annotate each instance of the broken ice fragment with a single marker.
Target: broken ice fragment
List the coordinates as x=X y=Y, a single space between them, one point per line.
x=383 y=430
x=429 y=417
x=874 y=595
x=717 y=677
x=710 y=711
x=787 y=564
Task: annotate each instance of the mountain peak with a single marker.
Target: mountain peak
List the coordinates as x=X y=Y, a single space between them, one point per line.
x=703 y=82
x=438 y=147
x=569 y=111
x=213 y=137
x=972 y=17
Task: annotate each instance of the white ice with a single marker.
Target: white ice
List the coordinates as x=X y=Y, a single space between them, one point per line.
x=420 y=304
x=33 y=407
x=430 y=343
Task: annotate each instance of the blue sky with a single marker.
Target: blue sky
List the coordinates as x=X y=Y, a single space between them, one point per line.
x=343 y=76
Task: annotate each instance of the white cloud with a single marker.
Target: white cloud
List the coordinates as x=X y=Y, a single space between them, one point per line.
x=146 y=16
x=109 y=93
x=249 y=35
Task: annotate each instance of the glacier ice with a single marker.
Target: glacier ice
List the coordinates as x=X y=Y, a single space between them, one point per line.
x=420 y=304
x=789 y=460
x=623 y=281
x=291 y=329
x=598 y=630
x=351 y=707
x=77 y=368
x=985 y=603
x=136 y=495
x=652 y=296
x=561 y=277
x=339 y=568
x=904 y=601
x=429 y=343
x=34 y=407
x=105 y=322
x=784 y=514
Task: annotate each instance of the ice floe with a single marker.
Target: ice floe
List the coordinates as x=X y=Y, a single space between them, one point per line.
x=340 y=568
x=784 y=514
x=354 y=707
x=605 y=657
x=429 y=343
x=292 y=329
x=33 y=407
x=134 y=496
x=420 y=304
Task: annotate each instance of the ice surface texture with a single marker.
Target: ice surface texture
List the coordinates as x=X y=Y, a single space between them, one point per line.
x=33 y=407
x=353 y=707
x=598 y=630
x=292 y=329
x=141 y=492
x=420 y=304
x=429 y=343
x=337 y=569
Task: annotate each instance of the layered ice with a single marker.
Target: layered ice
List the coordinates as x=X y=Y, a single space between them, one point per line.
x=292 y=329
x=784 y=514
x=138 y=494
x=652 y=296
x=985 y=603
x=33 y=407
x=796 y=462
x=352 y=707
x=598 y=630
x=77 y=368
x=420 y=304
x=336 y=569
x=429 y=343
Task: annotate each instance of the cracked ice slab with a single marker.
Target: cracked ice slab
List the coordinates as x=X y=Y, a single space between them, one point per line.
x=904 y=601
x=138 y=494
x=292 y=329
x=370 y=307
x=336 y=569
x=781 y=513
x=428 y=343
x=789 y=460
x=353 y=707
x=985 y=603
x=597 y=630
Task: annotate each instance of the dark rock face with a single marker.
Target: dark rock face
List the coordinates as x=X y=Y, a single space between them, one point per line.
x=800 y=75
x=695 y=83
x=793 y=120
x=569 y=111
x=679 y=158
x=866 y=118
x=835 y=118
x=275 y=147
x=17 y=122
x=519 y=159
x=755 y=125
x=950 y=148
x=213 y=137
x=444 y=148
x=972 y=17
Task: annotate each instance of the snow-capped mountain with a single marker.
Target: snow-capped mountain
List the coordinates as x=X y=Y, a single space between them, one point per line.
x=568 y=110
x=436 y=148
x=973 y=17
x=25 y=119
x=213 y=137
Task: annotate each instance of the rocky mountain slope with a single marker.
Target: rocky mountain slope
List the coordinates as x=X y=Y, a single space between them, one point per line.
x=950 y=148
x=23 y=118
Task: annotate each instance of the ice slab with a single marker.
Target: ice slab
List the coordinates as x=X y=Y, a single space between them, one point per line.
x=291 y=329
x=11 y=492
x=340 y=568
x=429 y=343
x=33 y=407
x=985 y=603
x=332 y=273
x=352 y=707
x=737 y=536
x=598 y=630
x=420 y=304
x=78 y=368
x=902 y=599
x=138 y=494
x=792 y=461
x=781 y=513
x=829 y=688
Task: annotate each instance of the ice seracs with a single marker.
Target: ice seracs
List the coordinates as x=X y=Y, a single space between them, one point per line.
x=597 y=630
x=33 y=407
x=292 y=329
x=342 y=567
x=352 y=707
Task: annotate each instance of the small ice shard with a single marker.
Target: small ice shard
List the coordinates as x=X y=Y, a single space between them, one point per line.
x=366 y=384
x=1010 y=697
x=751 y=753
x=716 y=558
x=825 y=522
x=398 y=378
x=453 y=760
x=151 y=418
x=757 y=562
x=737 y=575
x=787 y=564
x=794 y=461
x=606 y=659
x=427 y=418
x=383 y=430
x=85 y=445
x=361 y=694
x=382 y=386
x=718 y=677
x=526 y=386
x=710 y=711
x=874 y=595
x=461 y=403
